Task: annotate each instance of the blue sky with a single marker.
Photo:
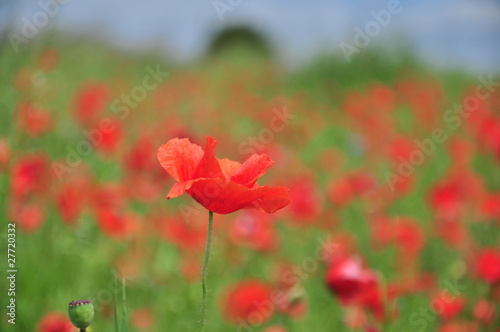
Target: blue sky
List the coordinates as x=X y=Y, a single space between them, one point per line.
x=460 y=33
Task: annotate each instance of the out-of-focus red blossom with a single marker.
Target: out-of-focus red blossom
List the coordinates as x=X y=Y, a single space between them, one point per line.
x=459 y=326
x=33 y=120
x=382 y=98
x=373 y=300
x=30 y=175
x=142 y=318
x=28 y=215
x=108 y=196
x=48 y=59
x=348 y=279
x=117 y=225
x=461 y=151
x=254 y=230
x=23 y=80
x=400 y=150
x=90 y=101
x=143 y=188
x=448 y=306
x=484 y=311
x=452 y=232
x=361 y=182
x=488 y=265
x=409 y=237
x=306 y=200
x=488 y=134
x=491 y=206
x=187 y=235
x=382 y=231
x=248 y=303
x=4 y=154
x=71 y=199
x=55 y=322
x=275 y=328
x=107 y=137
x=342 y=191
x=371 y=329
x=446 y=200
x=220 y=185
x=140 y=157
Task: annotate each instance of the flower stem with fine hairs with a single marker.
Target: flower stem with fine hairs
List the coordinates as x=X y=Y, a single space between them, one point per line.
x=204 y=271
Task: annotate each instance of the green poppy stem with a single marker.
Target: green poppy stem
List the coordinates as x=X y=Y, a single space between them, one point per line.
x=204 y=271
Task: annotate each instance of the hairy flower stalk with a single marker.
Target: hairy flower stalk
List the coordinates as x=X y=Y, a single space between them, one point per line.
x=204 y=271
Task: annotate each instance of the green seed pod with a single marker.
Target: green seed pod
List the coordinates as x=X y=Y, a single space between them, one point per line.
x=81 y=313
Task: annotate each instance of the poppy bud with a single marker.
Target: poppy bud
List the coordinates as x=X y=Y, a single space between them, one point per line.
x=81 y=313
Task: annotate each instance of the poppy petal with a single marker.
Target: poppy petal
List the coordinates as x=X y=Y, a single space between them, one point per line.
x=209 y=167
x=251 y=170
x=272 y=199
x=225 y=197
x=180 y=157
x=179 y=188
x=228 y=167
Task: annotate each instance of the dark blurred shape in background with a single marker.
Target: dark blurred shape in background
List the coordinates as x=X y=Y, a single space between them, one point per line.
x=239 y=38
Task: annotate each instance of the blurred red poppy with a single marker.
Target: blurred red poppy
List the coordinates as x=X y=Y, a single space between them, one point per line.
x=33 y=120
x=4 y=154
x=55 y=322
x=116 y=225
x=488 y=265
x=90 y=100
x=28 y=215
x=220 y=185
x=348 y=279
x=254 y=230
x=306 y=200
x=248 y=303
x=29 y=175
x=484 y=311
x=447 y=306
x=188 y=235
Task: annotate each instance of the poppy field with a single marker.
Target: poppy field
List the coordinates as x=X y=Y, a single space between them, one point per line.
x=344 y=197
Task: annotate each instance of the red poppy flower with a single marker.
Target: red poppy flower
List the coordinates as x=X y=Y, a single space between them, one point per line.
x=142 y=319
x=69 y=204
x=186 y=235
x=33 y=120
x=409 y=238
x=55 y=322
x=248 y=302
x=29 y=175
x=448 y=308
x=90 y=100
x=484 y=311
x=48 y=59
x=306 y=200
x=488 y=265
x=254 y=230
x=4 y=154
x=459 y=326
x=348 y=279
x=116 y=225
x=220 y=185
x=28 y=215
